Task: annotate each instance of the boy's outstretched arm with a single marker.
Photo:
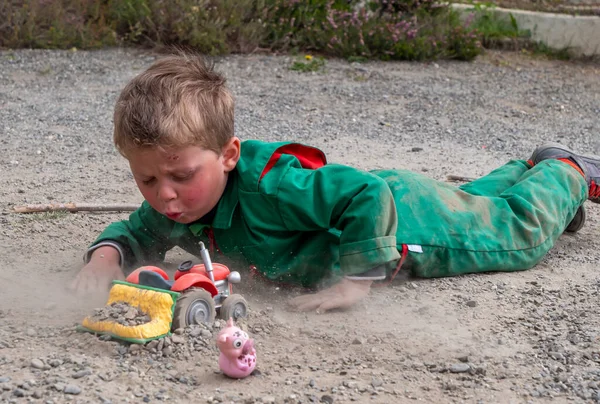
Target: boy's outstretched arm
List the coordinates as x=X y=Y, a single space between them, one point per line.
x=361 y=207
x=143 y=238
x=103 y=267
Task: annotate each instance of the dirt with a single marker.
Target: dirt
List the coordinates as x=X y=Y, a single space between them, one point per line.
x=121 y=313
x=531 y=336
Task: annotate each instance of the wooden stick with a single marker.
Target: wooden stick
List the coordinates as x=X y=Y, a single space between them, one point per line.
x=459 y=178
x=74 y=207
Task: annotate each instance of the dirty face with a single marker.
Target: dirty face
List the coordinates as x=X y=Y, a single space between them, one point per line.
x=186 y=183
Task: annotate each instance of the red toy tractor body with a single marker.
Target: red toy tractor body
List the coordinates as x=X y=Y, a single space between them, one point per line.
x=205 y=289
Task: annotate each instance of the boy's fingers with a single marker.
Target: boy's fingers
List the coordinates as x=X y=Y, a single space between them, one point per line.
x=337 y=302
x=307 y=302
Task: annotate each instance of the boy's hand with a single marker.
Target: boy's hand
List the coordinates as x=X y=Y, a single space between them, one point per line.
x=99 y=272
x=340 y=296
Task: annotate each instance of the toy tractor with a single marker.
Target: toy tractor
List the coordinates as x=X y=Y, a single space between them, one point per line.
x=205 y=289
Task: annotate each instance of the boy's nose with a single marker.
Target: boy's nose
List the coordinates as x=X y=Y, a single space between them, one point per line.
x=166 y=193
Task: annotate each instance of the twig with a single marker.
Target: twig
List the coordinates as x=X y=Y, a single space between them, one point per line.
x=459 y=178
x=74 y=207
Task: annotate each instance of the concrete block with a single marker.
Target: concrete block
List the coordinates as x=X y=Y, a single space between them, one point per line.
x=581 y=34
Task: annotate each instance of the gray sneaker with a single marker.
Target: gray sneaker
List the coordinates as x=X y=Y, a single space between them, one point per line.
x=589 y=165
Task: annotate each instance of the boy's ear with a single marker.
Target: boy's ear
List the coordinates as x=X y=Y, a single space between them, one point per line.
x=231 y=153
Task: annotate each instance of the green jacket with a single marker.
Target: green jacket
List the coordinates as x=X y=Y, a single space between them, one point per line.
x=287 y=212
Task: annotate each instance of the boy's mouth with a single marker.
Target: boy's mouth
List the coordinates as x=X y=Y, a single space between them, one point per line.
x=173 y=216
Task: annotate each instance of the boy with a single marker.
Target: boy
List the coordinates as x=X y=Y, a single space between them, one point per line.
x=300 y=220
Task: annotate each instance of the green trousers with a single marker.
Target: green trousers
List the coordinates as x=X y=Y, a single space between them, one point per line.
x=505 y=221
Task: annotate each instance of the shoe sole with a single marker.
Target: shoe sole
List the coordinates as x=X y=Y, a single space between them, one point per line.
x=560 y=147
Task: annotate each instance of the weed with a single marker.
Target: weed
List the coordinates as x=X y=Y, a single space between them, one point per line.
x=353 y=29
x=310 y=65
x=47 y=216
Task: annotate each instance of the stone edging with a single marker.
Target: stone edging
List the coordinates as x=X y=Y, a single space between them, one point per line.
x=579 y=34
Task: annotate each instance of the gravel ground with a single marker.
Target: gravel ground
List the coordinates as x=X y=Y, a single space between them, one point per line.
x=507 y=337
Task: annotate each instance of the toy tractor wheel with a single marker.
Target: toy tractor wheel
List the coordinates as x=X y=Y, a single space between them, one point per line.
x=196 y=306
x=235 y=307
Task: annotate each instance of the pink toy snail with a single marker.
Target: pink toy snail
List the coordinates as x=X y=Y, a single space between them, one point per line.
x=238 y=356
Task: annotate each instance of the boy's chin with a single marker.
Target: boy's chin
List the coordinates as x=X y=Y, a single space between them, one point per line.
x=185 y=219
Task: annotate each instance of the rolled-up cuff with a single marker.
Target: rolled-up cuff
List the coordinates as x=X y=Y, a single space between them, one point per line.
x=357 y=257
x=88 y=255
x=378 y=273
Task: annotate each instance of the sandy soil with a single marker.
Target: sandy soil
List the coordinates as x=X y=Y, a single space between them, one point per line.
x=496 y=338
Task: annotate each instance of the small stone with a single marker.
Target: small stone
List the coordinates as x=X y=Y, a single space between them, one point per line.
x=82 y=373
x=4 y=379
x=37 y=394
x=326 y=399
x=18 y=393
x=178 y=339
x=471 y=303
x=37 y=364
x=459 y=368
x=168 y=351
x=31 y=332
x=134 y=348
x=72 y=389
x=416 y=149
x=152 y=344
x=146 y=399
x=464 y=358
x=357 y=341
x=376 y=382
x=268 y=400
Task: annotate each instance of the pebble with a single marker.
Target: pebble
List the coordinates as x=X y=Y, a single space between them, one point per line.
x=327 y=399
x=72 y=389
x=37 y=364
x=459 y=368
x=82 y=373
x=135 y=348
x=471 y=303
x=4 y=379
x=178 y=339
x=18 y=393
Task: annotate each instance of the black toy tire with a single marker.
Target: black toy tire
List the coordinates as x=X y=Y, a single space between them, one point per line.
x=234 y=306
x=195 y=306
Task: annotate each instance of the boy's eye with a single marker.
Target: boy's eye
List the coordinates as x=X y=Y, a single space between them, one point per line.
x=183 y=177
x=148 y=181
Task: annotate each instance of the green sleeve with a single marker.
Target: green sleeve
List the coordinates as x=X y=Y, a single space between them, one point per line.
x=358 y=204
x=145 y=236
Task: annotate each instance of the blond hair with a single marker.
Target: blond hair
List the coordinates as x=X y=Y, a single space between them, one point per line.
x=178 y=101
